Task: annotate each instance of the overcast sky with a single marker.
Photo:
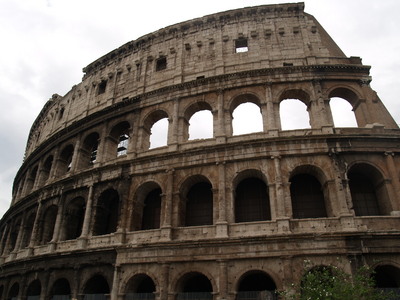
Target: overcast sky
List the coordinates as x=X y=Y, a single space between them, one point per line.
x=46 y=43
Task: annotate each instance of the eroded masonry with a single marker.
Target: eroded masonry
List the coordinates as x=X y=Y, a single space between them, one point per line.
x=98 y=212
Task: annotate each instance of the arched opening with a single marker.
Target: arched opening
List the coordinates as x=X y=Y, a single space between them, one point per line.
x=30 y=183
x=256 y=285
x=65 y=161
x=159 y=133
x=350 y=111
x=47 y=224
x=96 y=288
x=199 y=205
x=33 y=291
x=152 y=210
x=140 y=287
x=247 y=118
x=294 y=114
x=13 y=292
x=74 y=216
x=28 y=228
x=387 y=278
x=368 y=191
x=252 y=201
x=201 y=125
x=14 y=234
x=61 y=290
x=118 y=140
x=195 y=286
x=308 y=199
x=107 y=213
x=88 y=151
x=46 y=170
x=342 y=113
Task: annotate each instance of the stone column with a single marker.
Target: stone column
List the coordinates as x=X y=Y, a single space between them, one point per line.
x=39 y=173
x=75 y=155
x=20 y=232
x=132 y=146
x=3 y=237
x=115 y=285
x=87 y=219
x=164 y=284
x=101 y=148
x=320 y=116
x=173 y=126
x=222 y=224
x=57 y=224
x=220 y=132
x=53 y=170
x=394 y=183
x=167 y=207
x=271 y=118
x=223 y=280
x=35 y=230
x=7 y=234
x=283 y=201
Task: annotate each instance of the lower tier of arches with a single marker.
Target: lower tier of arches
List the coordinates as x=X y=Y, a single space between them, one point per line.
x=162 y=274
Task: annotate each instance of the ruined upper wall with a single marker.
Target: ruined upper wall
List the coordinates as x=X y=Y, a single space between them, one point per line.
x=275 y=36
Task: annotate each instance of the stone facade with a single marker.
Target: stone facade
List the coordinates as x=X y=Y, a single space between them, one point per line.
x=96 y=212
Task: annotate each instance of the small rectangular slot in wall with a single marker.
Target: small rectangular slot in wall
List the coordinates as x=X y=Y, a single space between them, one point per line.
x=241 y=45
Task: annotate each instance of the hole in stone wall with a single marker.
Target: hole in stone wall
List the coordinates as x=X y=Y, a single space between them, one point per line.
x=102 y=87
x=161 y=63
x=241 y=45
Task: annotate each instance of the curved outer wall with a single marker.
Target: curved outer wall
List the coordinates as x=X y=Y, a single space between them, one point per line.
x=92 y=203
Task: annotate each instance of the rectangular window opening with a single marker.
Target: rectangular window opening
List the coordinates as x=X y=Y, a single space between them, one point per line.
x=161 y=63
x=102 y=87
x=241 y=45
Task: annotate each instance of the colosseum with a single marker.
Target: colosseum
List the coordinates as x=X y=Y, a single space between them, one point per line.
x=101 y=211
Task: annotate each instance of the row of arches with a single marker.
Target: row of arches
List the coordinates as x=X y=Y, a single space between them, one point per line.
x=252 y=285
x=196 y=204
x=201 y=120
x=190 y=286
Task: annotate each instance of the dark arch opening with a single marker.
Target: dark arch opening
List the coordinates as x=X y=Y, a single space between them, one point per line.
x=195 y=286
x=252 y=201
x=13 y=292
x=89 y=150
x=96 y=288
x=33 y=291
x=199 y=205
x=367 y=190
x=74 y=217
x=307 y=197
x=30 y=183
x=65 y=162
x=256 y=285
x=140 y=287
x=28 y=228
x=387 y=278
x=47 y=224
x=107 y=212
x=46 y=169
x=61 y=290
x=14 y=234
x=119 y=140
x=152 y=210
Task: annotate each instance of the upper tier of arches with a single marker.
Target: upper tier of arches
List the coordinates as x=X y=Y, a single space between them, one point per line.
x=170 y=124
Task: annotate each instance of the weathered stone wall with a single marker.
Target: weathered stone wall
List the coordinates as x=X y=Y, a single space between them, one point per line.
x=80 y=215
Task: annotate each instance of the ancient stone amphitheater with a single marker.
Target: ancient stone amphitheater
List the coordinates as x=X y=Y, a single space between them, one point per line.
x=99 y=212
